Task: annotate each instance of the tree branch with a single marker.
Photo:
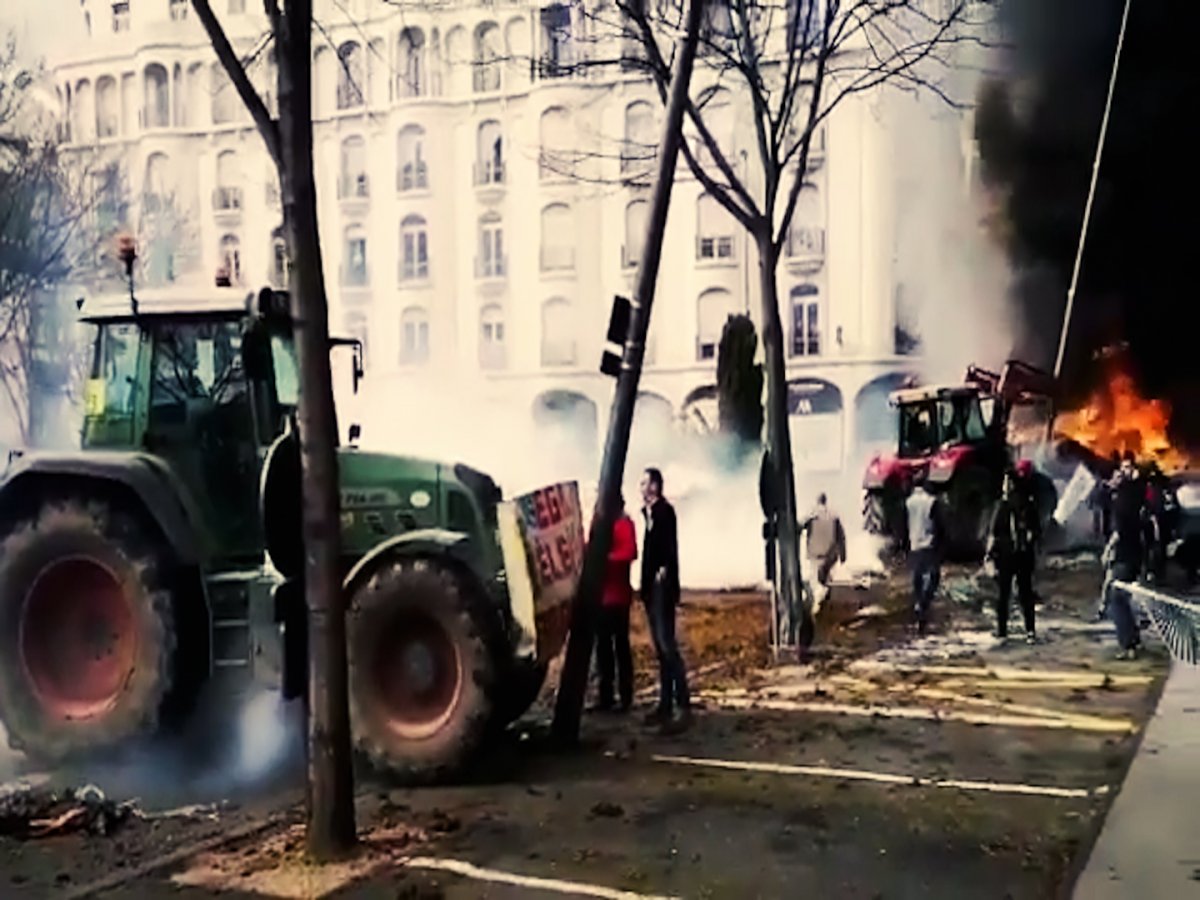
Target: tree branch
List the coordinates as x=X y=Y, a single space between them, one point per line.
x=267 y=127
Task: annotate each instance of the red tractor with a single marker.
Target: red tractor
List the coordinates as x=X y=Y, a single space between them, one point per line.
x=959 y=435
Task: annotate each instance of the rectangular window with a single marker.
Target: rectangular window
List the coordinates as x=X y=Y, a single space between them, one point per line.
x=491 y=252
x=120 y=19
x=556 y=42
x=356 y=262
x=237 y=7
x=415 y=342
x=715 y=247
x=806 y=331
x=415 y=264
x=179 y=10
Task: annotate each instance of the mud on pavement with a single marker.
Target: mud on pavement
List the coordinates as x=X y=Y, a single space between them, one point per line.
x=891 y=767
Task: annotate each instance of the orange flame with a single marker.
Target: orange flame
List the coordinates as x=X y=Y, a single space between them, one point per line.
x=1117 y=418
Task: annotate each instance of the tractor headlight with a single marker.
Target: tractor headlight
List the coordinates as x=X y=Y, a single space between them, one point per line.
x=1188 y=496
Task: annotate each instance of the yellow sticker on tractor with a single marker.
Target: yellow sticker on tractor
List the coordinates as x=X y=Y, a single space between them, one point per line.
x=93 y=397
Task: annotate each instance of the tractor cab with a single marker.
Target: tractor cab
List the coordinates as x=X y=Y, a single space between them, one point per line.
x=938 y=419
x=206 y=383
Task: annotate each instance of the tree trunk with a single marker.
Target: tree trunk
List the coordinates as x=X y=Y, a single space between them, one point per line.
x=779 y=445
x=573 y=682
x=331 y=826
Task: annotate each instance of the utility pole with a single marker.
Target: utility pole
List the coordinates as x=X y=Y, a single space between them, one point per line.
x=573 y=683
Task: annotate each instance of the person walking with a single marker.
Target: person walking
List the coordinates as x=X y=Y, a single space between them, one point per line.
x=925 y=541
x=1125 y=557
x=1012 y=548
x=826 y=548
x=613 y=658
x=660 y=594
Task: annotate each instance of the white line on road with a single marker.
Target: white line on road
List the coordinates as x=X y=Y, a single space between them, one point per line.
x=467 y=870
x=994 y=787
x=1002 y=672
x=1093 y=724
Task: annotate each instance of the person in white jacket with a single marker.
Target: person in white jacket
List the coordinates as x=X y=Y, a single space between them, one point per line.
x=926 y=538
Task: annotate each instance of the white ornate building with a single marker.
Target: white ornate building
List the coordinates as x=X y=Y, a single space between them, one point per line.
x=479 y=202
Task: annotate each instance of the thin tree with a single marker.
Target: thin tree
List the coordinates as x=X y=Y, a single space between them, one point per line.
x=289 y=141
x=791 y=75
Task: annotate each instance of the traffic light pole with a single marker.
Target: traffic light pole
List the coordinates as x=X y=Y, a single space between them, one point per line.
x=573 y=683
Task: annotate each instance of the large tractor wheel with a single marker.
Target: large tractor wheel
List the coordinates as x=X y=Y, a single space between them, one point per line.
x=87 y=631
x=422 y=670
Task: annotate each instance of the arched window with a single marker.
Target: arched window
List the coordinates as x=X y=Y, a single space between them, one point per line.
x=354 y=257
x=491 y=337
x=714 y=230
x=85 y=112
x=491 y=246
x=414 y=249
x=226 y=105
x=555 y=159
x=350 y=80
x=489 y=154
x=410 y=64
x=640 y=144
x=557 y=51
x=714 y=309
x=353 y=181
x=229 y=256
x=412 y=174
x=558 y=238
x=414 y=336
x=356 y=326
x=156 y=108
x=108 y=108
x=635 y=232
x=806 y=234
x=806 y=320
x=488 y=58
x=558 y=333
x=228 y=193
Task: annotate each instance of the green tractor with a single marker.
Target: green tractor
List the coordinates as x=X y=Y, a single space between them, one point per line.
x=164 y=560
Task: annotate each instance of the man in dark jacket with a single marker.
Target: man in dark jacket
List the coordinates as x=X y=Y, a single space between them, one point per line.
x=1012 y=548
x=1124 y=555
x=660 y=594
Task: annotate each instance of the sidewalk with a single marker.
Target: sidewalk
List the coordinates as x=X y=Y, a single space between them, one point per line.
x=1149 y=847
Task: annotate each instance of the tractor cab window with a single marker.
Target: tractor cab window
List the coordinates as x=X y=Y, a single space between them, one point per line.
x=918 y=434
x=949 y=421
x=287 y=372
x=974 y=424
x=196 y=364
x=114 y=371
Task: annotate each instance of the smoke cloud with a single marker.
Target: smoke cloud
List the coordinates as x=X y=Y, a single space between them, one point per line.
x=1038 y=126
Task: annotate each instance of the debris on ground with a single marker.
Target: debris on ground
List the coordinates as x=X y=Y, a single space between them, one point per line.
x=1079 y=560
x=30 y=812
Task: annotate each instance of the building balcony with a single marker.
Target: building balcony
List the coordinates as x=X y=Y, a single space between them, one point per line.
x=413 y=177
x=558 y=354
x=557 y=259
x=354 y=187
x=489 y=172
x=493 y=267
x=413 y=272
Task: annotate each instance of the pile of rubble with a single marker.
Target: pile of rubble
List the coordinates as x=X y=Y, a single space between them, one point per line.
x=37 y=811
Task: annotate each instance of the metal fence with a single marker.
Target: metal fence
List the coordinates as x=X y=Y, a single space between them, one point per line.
x=1176 y=620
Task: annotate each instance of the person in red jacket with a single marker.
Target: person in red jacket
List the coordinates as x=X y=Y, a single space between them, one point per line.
x=612 y=635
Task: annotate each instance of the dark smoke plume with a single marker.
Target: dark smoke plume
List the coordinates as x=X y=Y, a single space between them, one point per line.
x=1037 y=129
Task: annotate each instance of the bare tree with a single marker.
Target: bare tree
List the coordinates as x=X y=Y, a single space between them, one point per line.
x=43 y=236
x=289 y=141
x=790 y=63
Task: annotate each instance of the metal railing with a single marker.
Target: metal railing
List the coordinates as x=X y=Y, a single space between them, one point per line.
x=354 y=187
x=227 y=199
x=491 y=267
x=557 y=258
x=489 y=171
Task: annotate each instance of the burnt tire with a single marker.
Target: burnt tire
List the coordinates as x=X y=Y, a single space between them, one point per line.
x=423 y=675
x=87 y=631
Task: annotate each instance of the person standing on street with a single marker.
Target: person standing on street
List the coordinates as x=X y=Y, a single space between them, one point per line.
x=660 y=593
x=826 y=548
x=1012 y=548
x=613 y=657
x=1125 y=556
x=926 y=539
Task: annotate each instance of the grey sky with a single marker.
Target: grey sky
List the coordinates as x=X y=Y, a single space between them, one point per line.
x=41 y=26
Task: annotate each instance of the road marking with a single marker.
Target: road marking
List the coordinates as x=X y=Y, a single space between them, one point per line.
x=467 y=870
x=1094 y=723
x=1006 y=672
x=994 y=787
